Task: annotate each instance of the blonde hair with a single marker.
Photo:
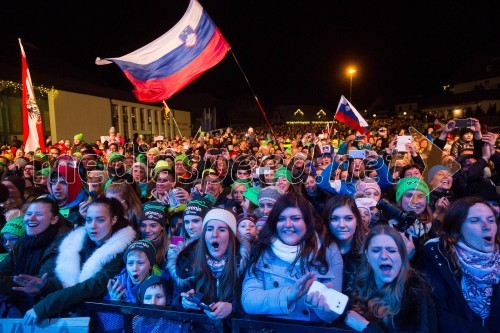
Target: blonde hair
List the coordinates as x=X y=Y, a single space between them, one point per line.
x=128 y=195
x=367 y=299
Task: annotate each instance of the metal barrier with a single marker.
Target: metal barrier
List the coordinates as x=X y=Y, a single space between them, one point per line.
x=265 y=324
x=113 y=316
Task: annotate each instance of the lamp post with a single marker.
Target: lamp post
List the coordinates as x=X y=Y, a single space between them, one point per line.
x=351 y=71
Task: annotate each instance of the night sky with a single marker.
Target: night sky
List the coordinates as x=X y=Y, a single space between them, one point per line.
x=292 y=53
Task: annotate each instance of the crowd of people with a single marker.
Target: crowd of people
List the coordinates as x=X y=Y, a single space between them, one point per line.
x=243 y=221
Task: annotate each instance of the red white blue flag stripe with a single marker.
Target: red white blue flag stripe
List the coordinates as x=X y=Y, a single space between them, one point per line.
x=347 y=114
x=169 y=63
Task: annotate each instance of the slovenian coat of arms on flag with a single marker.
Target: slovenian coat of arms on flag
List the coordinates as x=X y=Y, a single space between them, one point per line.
x=175 y=59
x=347 y=114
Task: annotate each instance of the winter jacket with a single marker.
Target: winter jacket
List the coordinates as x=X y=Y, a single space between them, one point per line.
x=81 y=273
x=417 y=314
x=453 y=312
x=47 y=264
x=180 y=265
x=265 y=292
x=318 y=200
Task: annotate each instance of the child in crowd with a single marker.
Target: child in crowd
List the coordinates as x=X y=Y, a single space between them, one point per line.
x=155 y=290
x=246 y=226
x=140 y=258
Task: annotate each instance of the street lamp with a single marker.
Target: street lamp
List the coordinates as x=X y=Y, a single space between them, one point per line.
x=351 y=71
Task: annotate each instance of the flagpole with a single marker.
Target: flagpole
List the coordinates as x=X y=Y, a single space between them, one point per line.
x=196 y=134
x=253 y=93
x=172 y=115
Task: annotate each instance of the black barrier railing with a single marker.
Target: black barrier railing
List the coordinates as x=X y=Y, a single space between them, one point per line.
x=266 y=324
x=112 y=316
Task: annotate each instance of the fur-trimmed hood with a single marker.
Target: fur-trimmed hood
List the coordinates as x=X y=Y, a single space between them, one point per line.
x=172 y=256
x=69 y=269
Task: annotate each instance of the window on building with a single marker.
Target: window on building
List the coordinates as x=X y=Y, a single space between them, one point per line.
x=134 y=119
x=114 y=117
x=125 y=121
x=150 y=125
x=143 y=120
x=161 y=124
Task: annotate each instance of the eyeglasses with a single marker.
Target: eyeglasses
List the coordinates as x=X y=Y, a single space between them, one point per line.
x=55 y=181
x=11 y=240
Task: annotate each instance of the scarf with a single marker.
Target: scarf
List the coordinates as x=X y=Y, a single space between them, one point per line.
x=32 y=250
x=287 y=253
x=480 y=271
x=216 y=266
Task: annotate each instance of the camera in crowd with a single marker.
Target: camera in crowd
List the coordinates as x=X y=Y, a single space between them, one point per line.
x=197 y=300
x=404 y=220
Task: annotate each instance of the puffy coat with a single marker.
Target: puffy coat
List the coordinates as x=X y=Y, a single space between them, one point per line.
x=82 y=273
x=265 y=292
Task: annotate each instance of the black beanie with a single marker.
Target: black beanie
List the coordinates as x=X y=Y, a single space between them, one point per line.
x=198 y=207
x=154 y=212
x=18 y=182
x=145 y=246
x=148 y=282
x=465 y=130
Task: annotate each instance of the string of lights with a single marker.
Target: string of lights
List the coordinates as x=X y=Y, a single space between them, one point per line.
x=44 y=91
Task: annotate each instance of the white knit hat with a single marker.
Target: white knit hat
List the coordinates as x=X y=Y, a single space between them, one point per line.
x=223 y=215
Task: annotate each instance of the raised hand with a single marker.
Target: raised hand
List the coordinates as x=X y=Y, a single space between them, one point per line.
x=30 y=284
x=476 y=124
x=116 y=290
x=300 y=287
x=449 y=126
x=410 y=246
x=317 y=302
x=182 y=195
x=82 y=208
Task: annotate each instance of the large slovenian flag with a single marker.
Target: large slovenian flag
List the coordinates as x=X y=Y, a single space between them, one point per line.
x=347 y=114
x=169 y=63
x=32 y=117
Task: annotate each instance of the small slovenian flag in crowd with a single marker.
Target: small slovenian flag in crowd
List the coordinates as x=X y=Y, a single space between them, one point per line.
x=347 y=114
x=169 y=63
